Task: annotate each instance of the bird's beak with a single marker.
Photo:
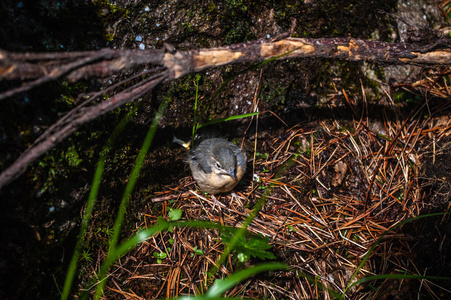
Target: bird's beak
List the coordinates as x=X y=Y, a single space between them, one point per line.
x=231 y=173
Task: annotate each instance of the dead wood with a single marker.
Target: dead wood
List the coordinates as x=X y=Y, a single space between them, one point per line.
x=34 y=69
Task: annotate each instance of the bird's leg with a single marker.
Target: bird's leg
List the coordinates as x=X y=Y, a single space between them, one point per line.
x=236 y=197
x=215 y=202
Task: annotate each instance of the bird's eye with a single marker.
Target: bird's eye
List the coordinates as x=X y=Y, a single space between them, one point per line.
x=218 y=165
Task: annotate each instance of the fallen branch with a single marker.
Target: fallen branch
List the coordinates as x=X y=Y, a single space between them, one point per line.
x=70 y=123
x=34 y=69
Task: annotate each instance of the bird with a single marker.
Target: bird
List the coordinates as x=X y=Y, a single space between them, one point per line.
x=217 y=165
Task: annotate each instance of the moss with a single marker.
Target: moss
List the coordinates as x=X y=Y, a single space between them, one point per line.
x=274 y=95
x=210 y=7
x=188 y=28
x=72 y=157
x=106 y=7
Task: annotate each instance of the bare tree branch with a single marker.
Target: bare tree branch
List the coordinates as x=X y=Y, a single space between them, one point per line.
x=92 y=64
x=37 y=68
x=70 y=123
x=105 y=62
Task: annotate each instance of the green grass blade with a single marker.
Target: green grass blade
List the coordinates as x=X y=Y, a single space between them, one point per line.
x=135 y=172
x=130 y=186
x=147 y=233
x=215 y=121
x=258 y=206
x=125 y=247
x=90 y=205
x=220 y=286
x=195 y=110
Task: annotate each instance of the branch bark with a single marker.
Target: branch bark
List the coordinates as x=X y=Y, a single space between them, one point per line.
x=36 y=68
x=105 y=62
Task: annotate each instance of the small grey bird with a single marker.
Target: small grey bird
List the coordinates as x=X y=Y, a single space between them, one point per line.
x=217 y=165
